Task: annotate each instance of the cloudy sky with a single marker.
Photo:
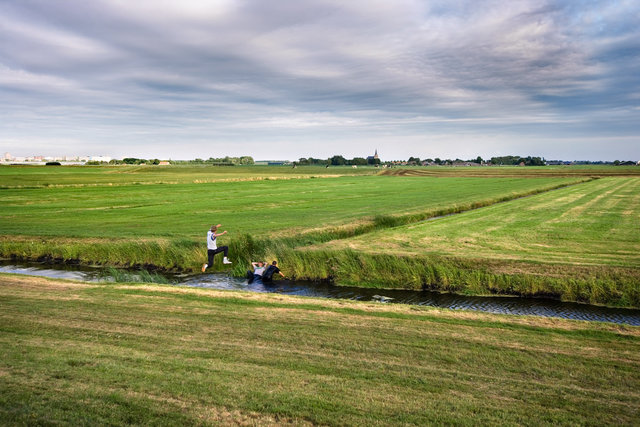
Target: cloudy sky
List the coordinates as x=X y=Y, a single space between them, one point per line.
x=289 y=79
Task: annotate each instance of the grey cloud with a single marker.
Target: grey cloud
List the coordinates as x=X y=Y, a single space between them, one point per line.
x=226 y=72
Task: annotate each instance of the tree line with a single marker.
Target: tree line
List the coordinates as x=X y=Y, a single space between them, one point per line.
x=243 y=160
x=338 y=160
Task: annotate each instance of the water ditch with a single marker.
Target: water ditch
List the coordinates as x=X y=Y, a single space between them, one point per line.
x=501 y=305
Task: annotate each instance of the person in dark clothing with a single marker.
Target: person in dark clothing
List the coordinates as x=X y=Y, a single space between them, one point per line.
x=267 y=276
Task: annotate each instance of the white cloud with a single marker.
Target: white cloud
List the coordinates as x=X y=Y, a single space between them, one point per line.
x=231 y=74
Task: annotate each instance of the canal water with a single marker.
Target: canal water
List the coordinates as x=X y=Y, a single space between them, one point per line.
x=502 y=305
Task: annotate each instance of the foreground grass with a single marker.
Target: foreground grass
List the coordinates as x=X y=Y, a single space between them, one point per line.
x=83 y=354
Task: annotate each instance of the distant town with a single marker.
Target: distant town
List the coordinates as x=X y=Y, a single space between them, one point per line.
x=337 y=160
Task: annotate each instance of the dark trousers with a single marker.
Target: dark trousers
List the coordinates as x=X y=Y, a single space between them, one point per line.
x=212 y=252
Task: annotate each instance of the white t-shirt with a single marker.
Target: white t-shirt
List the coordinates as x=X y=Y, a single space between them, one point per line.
x=259 y=271
x=211 y=240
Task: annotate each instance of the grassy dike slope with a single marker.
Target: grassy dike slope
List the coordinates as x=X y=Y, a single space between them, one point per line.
x=87 y=354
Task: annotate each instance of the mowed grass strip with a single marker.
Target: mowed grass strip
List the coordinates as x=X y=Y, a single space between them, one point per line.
x=591 y=224
x=78 y=353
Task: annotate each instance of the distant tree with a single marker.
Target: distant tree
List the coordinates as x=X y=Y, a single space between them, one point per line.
x=359 y=161
x=616 y=162
x=437 y=161
x=337 y=160
x=479 y=160
x=133 y=161
x=303 y=161
x=413 y=161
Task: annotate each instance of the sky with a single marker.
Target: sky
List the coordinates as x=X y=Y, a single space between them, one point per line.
x=298 y=78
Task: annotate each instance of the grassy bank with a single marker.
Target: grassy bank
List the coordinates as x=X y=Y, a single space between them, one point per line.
x=85 y=354
x=613 y=286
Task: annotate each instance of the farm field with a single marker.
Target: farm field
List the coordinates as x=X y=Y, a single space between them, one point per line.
x=261 y=208
x=83 y=176
x=592 y=224
x=514 y=171
x=112 y=354
x=256 y=207
x=574 y=238
x=577 y=243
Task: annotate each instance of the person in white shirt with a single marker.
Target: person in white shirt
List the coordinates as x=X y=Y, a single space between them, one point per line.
x=212 y=247
x=256 y=274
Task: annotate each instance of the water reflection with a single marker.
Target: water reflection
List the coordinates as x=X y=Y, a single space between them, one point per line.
x=501 y=305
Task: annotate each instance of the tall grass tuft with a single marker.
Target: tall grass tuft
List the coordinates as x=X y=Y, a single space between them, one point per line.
x=140 y=276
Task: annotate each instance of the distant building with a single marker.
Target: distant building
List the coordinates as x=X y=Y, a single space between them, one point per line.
x=272 y=162
x=105 y=159
x=373 y=159
x=7 y=157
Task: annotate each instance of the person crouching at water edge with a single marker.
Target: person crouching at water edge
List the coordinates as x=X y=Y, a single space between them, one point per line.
x=212 y=247
x=267 y=275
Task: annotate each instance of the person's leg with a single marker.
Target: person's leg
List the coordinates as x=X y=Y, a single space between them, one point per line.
x=210 y=254
x=225 y=249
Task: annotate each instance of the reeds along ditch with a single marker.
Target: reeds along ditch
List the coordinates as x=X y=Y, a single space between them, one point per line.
x=615 y=287
x=469 y=277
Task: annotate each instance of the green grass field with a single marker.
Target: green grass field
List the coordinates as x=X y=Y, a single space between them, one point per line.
x=577 y=243
x=83 y=176
x=86 y=176
x=261 y=208
x=114 y=354
x=575 y=238
x=593 y=224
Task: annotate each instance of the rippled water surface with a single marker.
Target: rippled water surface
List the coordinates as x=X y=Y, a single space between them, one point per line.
x=503 y=305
